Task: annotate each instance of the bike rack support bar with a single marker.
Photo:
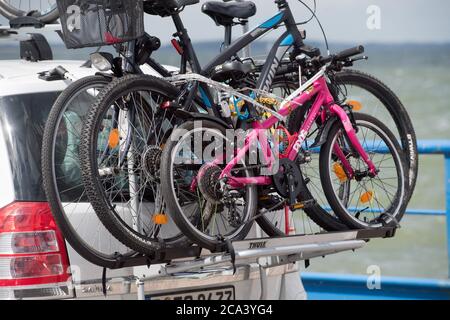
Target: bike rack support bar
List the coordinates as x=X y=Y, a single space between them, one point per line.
x=285 y=246
x=300 y=251
x=263 y=281
x=283 y=260
x=140 y=289
x=168 y=255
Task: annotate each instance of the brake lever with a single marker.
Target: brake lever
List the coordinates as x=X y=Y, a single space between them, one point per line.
x=349 y=62
x=359 y=58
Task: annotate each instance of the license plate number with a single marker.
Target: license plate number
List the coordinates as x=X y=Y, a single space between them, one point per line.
x=222 y=293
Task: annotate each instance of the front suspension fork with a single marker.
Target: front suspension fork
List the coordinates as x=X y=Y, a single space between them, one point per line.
x=354 y=141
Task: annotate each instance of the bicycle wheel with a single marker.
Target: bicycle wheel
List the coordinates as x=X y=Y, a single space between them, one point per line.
x=43 y=10
x=374 y=98
x=62 y=175
x=202 y=207
x=374 y=200
x=122 y=180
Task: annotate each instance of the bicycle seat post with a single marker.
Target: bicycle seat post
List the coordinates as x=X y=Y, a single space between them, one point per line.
x=245 y=29
x=228 y=35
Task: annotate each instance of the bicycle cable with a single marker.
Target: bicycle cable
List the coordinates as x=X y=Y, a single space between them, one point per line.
x=313 y=12
x=312 y=16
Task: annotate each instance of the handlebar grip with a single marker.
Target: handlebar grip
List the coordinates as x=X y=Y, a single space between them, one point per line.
x=349 y=53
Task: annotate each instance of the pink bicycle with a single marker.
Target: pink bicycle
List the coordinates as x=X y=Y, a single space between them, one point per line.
x=212 y=184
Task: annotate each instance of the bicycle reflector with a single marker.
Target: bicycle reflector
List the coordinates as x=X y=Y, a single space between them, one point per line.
x=160 y=219
x=339 y=172
x=367 y=197
x=114 y=138
x=356 y=105
x=33 y=255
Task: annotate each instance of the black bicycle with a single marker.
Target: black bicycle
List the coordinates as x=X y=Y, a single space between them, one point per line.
x=60 y=165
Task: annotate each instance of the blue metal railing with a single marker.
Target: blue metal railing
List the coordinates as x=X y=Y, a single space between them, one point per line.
x=320 y=286
x=439 y=147
x=333 y=286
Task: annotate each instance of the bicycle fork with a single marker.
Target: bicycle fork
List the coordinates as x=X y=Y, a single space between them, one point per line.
x=351 y=134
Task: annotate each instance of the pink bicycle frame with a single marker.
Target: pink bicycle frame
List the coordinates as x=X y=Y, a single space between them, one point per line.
x=318 y=87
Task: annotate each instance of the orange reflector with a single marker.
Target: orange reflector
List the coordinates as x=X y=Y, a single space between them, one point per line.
x=356 y=105
x=160 y=219
x=367 y=197
x=339 y=172
x=114 y=138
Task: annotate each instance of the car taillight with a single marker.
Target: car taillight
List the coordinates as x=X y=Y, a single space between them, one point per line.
x=32 y=250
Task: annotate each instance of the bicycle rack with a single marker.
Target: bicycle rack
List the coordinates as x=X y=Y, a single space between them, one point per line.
x=283 y=250
x=280 y=251
x=264 y=252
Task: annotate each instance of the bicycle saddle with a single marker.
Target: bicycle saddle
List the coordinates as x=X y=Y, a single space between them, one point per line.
x=223 y=13
x=166 y=8
x=175 y=4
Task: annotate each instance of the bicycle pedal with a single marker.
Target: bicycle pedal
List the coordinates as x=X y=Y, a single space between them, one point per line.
x=298 y=206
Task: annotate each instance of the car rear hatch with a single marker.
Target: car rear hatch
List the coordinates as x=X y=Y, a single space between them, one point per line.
x=34 y=259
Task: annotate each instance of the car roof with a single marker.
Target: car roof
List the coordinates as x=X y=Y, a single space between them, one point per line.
x=21 y=76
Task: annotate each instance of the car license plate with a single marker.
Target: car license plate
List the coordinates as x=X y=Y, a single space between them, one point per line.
x=219 y=293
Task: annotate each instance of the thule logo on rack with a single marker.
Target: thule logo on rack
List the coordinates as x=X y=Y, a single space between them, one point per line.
x=257 y=245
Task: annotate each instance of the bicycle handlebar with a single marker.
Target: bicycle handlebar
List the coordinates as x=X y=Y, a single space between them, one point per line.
x=349 y=53
x=343 y=54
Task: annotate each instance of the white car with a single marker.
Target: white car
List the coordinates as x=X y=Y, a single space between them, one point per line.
x=35 y=261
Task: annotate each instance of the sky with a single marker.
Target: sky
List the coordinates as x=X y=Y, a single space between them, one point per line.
x=343 y=20
x=399 y=21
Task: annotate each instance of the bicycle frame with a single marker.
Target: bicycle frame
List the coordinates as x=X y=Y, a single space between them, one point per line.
x=315 y=87
x=291 y=37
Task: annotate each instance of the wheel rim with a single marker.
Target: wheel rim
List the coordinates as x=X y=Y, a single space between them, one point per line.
x=22 y=8
x=205 y=219
x=122 y=176
x=369 y=198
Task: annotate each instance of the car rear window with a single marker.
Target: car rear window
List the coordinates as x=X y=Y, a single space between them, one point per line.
x=22 y=119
